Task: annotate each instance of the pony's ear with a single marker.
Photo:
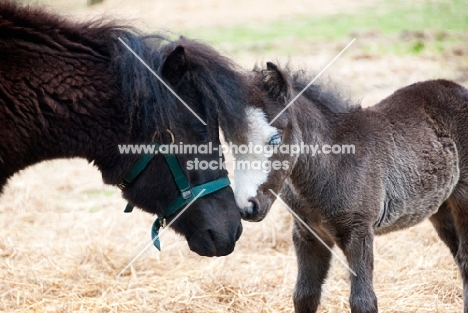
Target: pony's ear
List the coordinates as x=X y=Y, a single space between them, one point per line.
x=175 y=66
x=276 y=83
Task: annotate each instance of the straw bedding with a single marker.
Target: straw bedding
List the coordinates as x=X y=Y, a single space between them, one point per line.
x=64 y=238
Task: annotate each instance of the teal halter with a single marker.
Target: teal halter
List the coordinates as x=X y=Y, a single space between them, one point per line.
x=187 y=193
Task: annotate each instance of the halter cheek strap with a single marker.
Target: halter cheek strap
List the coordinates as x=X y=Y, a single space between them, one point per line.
x=186 y=192
x=179 y=202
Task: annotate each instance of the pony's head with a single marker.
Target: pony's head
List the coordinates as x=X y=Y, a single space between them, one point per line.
x=272 y=130
x=209 y=90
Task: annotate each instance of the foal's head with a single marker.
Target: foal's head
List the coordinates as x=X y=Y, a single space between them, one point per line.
x=269 y=162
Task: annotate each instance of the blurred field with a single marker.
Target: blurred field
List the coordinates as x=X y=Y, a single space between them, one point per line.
x=64 y=237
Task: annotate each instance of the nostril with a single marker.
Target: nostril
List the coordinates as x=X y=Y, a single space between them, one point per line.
x=253 y=212
x=250 y=208
x=255 y=204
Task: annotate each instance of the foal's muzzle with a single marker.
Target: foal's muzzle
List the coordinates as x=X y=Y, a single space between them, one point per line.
x=252 y=212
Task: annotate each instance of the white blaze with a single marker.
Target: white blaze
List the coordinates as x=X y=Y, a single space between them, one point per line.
x=247 y=180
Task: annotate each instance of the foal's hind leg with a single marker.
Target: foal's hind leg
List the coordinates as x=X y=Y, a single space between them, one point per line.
x=313 y=260
x=444 y=224
x=459 y=207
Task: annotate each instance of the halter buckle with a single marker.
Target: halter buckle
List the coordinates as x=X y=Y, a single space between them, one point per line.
x=186 y=194
x=162 y=222
x=122 y=186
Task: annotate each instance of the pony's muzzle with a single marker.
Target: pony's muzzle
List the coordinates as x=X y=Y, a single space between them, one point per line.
x=239 y=231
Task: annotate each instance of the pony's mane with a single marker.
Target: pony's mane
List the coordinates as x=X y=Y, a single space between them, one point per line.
x=220 y=82
x=223 y=84
x=151 y=107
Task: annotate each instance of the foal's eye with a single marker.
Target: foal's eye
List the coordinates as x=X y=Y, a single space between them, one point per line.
x=275 y=140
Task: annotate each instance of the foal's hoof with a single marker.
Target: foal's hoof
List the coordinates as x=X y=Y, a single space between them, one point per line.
x=251 y=212
x=364 y=304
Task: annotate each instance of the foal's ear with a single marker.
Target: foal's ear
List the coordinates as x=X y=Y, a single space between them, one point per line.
x=175 y=65
x=276 y=83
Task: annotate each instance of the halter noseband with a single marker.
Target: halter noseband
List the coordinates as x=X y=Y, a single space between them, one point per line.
x=186 y=192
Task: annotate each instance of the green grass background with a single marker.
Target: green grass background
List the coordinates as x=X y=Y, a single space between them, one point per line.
x=399 y=27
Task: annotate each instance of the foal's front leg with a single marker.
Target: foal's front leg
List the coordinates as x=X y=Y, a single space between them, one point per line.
x=355 y=237
x=313 y=260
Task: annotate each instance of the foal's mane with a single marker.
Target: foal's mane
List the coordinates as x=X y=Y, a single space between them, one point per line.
x=151 y=107
x=327 y=96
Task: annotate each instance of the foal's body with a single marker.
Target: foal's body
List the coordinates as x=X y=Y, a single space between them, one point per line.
x=410 y=163
x=411 y=159
x=407 y=157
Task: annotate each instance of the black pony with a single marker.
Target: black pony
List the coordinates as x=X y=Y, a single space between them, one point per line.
x=71 y=89
x=351 y=173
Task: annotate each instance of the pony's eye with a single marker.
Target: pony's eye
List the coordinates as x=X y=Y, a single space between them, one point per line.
x=202 y=138
x=275 y=140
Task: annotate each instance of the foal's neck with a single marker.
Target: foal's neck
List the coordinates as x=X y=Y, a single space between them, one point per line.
x=315 y=124
x=320 y=128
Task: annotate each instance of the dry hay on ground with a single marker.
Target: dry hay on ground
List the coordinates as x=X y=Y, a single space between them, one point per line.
x=64 y=238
